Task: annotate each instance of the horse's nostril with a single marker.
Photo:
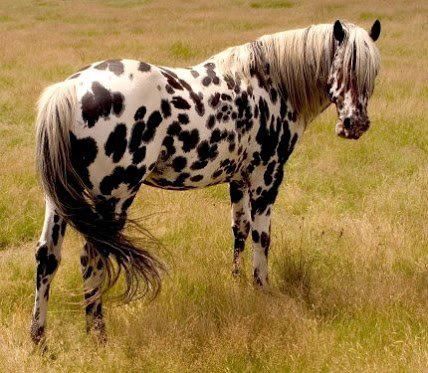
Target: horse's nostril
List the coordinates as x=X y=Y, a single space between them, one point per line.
x=347 y=123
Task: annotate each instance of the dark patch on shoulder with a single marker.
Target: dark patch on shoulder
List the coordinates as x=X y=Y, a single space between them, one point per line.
x=166 y=108
x=211 y=121
x=214 y=100
x=172 y=80
x=180 y=103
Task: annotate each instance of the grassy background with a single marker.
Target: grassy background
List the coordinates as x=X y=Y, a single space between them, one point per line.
x=349 y=262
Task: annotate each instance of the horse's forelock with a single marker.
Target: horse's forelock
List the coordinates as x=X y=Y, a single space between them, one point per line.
x=361 y=57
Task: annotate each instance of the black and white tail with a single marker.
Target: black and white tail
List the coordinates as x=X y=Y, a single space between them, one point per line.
x=76 y=203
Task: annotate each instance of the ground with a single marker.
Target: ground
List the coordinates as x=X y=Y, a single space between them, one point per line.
x=349 y=261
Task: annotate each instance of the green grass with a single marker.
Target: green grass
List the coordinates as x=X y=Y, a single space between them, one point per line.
x=182 y=50
x=126 y=4
x=274 y=4
x=349 y=257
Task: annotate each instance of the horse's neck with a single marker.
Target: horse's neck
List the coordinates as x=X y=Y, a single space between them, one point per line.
x=323 y=105
x=263 y=75
x=307 y=87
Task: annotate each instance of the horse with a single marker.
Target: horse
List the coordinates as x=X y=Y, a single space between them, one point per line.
x=234 y=118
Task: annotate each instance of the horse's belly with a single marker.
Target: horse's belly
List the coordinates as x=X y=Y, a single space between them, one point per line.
x=207 y=165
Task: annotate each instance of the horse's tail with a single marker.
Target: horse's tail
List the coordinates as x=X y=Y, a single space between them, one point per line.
x=76 y=203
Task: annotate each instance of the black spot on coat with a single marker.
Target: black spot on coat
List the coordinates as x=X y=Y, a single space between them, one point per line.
x=144 y=67
x=99 y=103
x=183 y=118
x=55 y=234
x=235 y=191
x=115 y=66
x=140 y=113
x=136 y=136
x=196 y=178
x=116 y=143
x=190 y=139
x=83 y=154
x=179 y=163
x=211 y=121
x=166 y=108
x=153 y=122
x=180 y=103
x=46 y=264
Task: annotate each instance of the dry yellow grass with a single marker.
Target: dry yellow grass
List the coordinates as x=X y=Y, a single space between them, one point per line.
x=349 y=262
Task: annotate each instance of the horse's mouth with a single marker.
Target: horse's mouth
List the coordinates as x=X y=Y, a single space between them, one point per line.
x=345 y=133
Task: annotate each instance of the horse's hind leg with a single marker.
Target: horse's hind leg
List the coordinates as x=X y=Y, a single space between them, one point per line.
x=48 y=256
x=93 y=267
x=240 y=221
x=93 y=273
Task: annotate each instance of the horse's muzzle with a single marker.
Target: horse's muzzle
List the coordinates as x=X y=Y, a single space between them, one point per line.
x=348 y=130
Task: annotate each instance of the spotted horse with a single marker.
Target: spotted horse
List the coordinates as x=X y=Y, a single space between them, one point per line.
x=235 y=118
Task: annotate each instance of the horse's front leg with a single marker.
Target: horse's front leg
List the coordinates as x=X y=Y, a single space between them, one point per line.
x=48 y=256
x=241 y=218
x=263 y=192
x=261 y=240
x=93 y=273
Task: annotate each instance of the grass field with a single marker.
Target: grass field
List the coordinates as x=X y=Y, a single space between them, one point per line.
x=349 y=262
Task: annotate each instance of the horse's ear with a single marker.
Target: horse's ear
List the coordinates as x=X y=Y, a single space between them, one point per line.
x=375 y=30
x=338 y=32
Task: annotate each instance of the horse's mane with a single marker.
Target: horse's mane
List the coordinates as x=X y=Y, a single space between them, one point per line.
x=300 y=61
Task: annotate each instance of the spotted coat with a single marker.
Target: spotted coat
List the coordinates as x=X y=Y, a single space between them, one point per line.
x=180 y=129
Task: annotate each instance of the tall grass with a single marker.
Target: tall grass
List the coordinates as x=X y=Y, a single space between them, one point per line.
x=349 y=262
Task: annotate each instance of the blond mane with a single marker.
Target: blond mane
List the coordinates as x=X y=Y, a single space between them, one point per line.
x=300 y=61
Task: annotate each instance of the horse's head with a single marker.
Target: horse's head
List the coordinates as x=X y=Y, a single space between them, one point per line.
x=351 y=77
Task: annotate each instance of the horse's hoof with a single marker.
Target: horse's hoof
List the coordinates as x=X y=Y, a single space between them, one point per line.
x=37 y=333
x=236 y=272
x=98 y=331
x=258 y=281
